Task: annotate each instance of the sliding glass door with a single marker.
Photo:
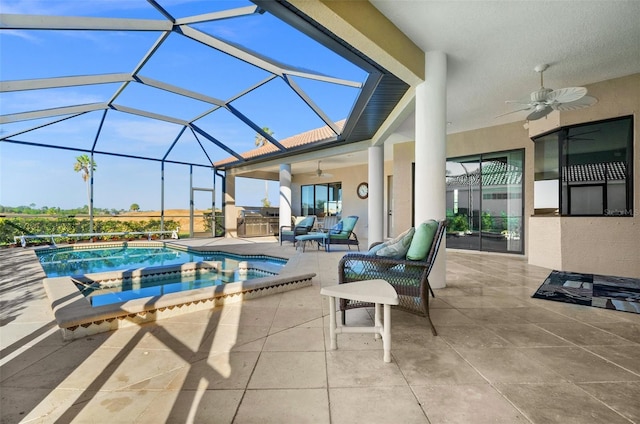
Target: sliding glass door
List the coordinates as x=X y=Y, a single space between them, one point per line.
x=463 y=203
x=484 y=202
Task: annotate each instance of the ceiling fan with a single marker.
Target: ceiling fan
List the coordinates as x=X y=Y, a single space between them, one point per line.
x=320 y=173
x=545 y=100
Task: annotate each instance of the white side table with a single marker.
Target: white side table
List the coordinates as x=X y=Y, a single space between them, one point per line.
x=378 y=292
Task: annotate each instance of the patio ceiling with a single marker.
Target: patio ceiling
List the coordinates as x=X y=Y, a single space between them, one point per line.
x=201 y=79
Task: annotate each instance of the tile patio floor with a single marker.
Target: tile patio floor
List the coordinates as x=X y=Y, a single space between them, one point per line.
x=500 y=357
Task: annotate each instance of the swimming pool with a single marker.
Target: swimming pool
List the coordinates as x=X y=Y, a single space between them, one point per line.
x=160 y=281
x=91 y=303
x=70 y=261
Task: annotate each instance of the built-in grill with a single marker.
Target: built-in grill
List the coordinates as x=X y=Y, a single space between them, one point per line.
x=258 y=222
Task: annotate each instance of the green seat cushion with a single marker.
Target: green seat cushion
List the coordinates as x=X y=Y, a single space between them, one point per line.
x=422 y=240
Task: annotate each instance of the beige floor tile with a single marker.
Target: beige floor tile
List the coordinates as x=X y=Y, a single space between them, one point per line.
x=22 y=359
x=375 y=405
x=629 y=332
x=300 y=406
x=438 y=303
x=463 y=404
x=26 y=334
x=578 y=365
x=226 y=338
x=119 y=406
x=137 y=367
x=471 y=336
x=407 y=337
x=267 y=359
x=581 y=313
x=583 y=334
x=559 y=403
x=482 y=316
x=536 y=314
x=526 y=335
x=242 y=315
x=287 y=317
x=463 y=302
x=441 y=317
x=435 y=367
x=37 y=405
x=197 y=406
x=509 y=365
x=351 y=368
x=297 y=339
x=289 y=370
x=627 y=357
x=226 y=370
x=624 y=398
x=72 y=367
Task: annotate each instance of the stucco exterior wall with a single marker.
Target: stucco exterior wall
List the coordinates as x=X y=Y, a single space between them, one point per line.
x=403 y=157
x=601 y=245
x=607 y=245
x=545 y=243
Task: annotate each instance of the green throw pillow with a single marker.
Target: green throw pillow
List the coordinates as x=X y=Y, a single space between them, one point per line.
x=422 y=240
x=398 y=247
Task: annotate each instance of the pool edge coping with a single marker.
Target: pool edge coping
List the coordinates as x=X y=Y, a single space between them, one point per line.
x=75 y=315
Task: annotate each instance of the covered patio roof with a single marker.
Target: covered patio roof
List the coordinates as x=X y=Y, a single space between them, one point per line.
x=199 y=80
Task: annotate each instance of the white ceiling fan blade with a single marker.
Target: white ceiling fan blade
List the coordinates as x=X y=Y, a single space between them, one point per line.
x=520 y=102
x=513 y=111
x=581 y=103
x=537 y=114
x=566 y=95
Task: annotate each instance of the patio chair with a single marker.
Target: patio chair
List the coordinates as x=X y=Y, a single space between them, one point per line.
x=410 y=258
x=341 y=233
x=289 y=232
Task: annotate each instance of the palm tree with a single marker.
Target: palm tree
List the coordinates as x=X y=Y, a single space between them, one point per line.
x=261 y=141
x=86 y=166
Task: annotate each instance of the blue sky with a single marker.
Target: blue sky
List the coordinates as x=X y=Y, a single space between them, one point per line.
x=45 y=177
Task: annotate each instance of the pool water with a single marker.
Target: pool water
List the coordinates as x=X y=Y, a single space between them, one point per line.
x=146 y=286
x=69 y=262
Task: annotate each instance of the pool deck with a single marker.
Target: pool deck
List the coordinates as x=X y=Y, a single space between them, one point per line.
x=500 y=356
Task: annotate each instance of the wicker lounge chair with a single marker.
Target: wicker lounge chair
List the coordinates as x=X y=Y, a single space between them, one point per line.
x=341 y=233
x=410 y=278
x=289 y=232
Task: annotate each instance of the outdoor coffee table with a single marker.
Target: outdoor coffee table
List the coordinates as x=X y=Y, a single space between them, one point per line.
x=378 y=292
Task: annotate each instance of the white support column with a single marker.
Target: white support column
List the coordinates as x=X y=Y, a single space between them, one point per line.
x=285 y=194
x=230 y=211
x=430 y=153
x=375 y=215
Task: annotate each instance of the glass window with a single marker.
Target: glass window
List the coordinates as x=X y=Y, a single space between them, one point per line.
x=595 y=166
x=322 y=199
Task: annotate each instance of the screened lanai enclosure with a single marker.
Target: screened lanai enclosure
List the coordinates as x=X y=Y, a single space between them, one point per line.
x=155 y=92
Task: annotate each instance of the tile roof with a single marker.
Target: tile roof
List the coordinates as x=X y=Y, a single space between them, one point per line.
x=500 y=173
x=302 y=139
x=493 y=173
x=591 y=172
